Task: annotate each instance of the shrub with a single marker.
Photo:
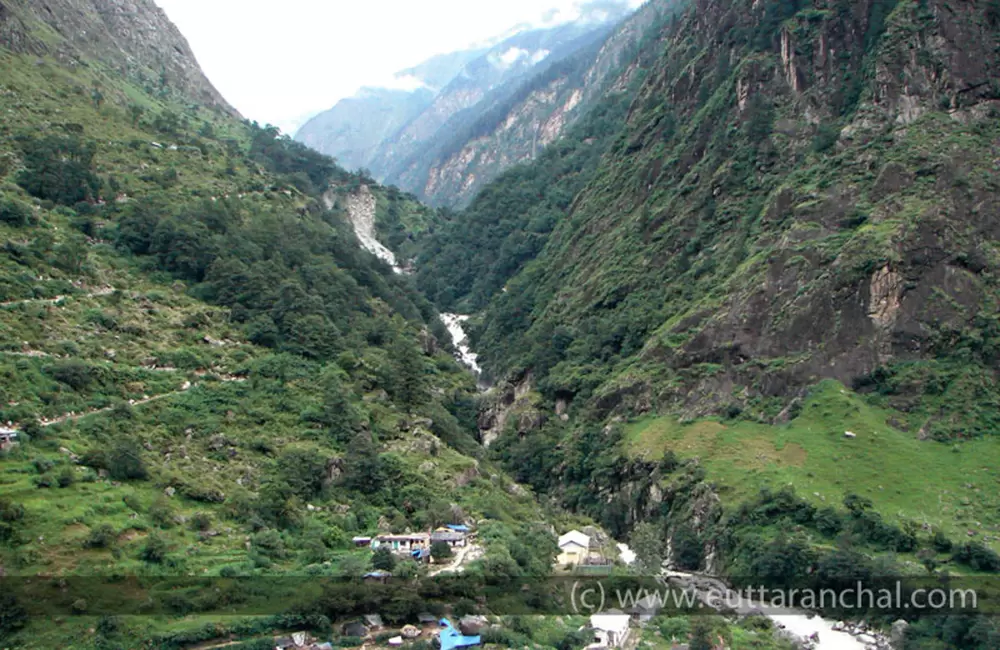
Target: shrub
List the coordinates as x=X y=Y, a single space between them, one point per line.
x=95 y=459
x=978 y=557
x=109 y=625
x=59 y=169
x=269 y=543
x=13 y=616
x=15 y=213
x=229 y=571
x=688 y=550
x=826 y=136
x=45 y=481
x=155 y=550
x=10 y=514
x=383 y=559
x=441 y=551
x=102 y=536
x=941 y=542
x=75 y=374
x=125 y=463
x=201 y=521
x=829 y=522
x=162 y=513
x=66 y=477
x=202 y=493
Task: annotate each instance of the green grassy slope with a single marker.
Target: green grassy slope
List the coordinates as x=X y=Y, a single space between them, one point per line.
x=952 y=488
x=209 y=376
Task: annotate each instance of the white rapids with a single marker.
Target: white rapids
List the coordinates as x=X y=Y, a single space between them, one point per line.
x=461 y=340
x=799 y=624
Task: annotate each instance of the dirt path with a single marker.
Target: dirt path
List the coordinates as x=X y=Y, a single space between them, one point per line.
x=103 y=291
x=457 y=562
x=72 y=416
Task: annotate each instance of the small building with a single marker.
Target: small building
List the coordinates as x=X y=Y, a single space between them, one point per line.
x=403 y=543
x=374 y=621
x=426 y=618
x=611 y=629
x=361 y=542
x=377 y=576
x=451 y=538
x=574 y=548
x=356 y=629
x=459 y=528
x=451 y=638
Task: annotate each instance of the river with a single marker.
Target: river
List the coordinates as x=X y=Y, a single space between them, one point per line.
x=454 y=323
x=802 y=625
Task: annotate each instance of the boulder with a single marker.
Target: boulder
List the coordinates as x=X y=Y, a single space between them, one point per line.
x=472 y=625
x=897 y=638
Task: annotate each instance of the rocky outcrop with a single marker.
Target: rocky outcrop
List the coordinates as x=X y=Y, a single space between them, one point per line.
x=132 y=37
x=511 y=401
x=361 y=205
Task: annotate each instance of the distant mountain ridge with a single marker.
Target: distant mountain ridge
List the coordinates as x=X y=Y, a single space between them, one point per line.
x=414 y=128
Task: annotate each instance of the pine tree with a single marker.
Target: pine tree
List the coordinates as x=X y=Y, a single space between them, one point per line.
x=363 y=468
x=339 y=414
x=409 y=384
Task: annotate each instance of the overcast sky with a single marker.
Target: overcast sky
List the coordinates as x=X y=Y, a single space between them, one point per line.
x=280 y=62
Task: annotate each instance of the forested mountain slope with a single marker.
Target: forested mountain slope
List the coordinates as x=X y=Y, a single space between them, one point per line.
x=800 y=193
x=207 y=375
x=781 y=273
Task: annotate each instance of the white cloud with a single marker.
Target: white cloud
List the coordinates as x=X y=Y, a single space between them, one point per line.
x=510 y=57
x=276 y=64
x=403 y=82
x=539 y=56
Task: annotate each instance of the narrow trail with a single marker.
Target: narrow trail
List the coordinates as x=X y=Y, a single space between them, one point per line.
x=97 y=293
x=73 y=416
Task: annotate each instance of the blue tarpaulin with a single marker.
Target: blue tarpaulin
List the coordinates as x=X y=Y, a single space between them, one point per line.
x=458 y=528
x=452 y=638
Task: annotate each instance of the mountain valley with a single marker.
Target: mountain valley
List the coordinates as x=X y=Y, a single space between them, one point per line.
x=716 y=279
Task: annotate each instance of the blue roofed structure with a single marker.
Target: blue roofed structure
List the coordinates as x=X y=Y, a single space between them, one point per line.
x=451 y=638
x=458 y=528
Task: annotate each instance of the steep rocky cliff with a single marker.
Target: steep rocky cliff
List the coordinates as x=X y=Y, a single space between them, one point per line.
x=134 y=38
x=802 y=191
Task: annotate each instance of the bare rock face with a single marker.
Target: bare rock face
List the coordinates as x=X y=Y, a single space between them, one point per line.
x=510 y=401
x=134 y=37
